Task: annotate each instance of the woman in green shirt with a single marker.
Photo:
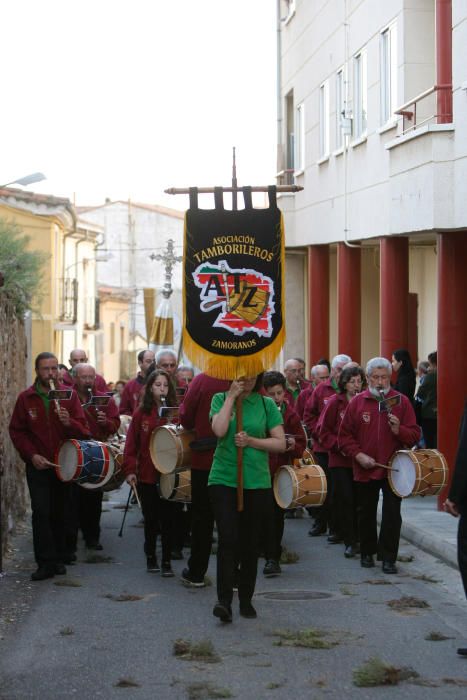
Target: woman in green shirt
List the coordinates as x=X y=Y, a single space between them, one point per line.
x=238 y=533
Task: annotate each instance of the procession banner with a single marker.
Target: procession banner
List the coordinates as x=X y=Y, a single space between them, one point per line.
x=234 y=323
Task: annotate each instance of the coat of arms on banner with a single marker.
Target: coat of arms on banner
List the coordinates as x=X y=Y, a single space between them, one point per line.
x=244 y=298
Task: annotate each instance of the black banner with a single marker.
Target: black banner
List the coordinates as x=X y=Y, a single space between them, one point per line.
x=233 y=287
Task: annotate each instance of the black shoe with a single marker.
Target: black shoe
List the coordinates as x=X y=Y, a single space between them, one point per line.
x=69 y=559
x=272 y=568
x=166 y=570
x=389 y=567
x=59 y=569
x=462 y=651
x=318 y=530
x=191 y=580
x=367 y=561
x=223 y=612
x=247 y=610
x=334 y=539
x=152 y=566
x=350 y=552
x=289 y=514
x=176 y=554
x=42 y=572
x=94 y=544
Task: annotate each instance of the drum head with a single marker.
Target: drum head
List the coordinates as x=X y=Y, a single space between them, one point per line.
x=166 y=485
x=284 y=487
x=68 y=460
x=403 y=480
x=164 y=450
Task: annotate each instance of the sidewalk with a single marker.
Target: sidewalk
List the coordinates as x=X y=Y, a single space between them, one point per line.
x=433 y=531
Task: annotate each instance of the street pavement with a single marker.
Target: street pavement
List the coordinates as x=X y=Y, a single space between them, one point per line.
x=93 y=640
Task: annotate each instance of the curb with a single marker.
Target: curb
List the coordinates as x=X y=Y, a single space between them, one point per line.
x=430 y=543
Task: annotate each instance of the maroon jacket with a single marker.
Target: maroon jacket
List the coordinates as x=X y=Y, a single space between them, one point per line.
x=112 y=424
x=137 y=457
x=131 y=395
x=303 y=397
x=365 y=429
x=100 y=384
x=328 y=428
x=33 y=430
x=292 y=426
x=194 y=414
x=313 y=407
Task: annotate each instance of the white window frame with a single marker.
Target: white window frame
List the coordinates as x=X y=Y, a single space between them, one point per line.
x=388 y=73
x=324 y=146
x=299 y=129
x=360 y=94
x=290 y=7
x=340 y=106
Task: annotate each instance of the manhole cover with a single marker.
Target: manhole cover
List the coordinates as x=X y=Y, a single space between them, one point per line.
x=295 y=595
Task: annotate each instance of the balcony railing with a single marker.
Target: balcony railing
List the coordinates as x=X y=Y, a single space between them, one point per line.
x=69 y=300
x=431 y=106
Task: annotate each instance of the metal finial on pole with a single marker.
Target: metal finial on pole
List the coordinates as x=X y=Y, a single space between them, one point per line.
x=169 y=259
x=234 y=181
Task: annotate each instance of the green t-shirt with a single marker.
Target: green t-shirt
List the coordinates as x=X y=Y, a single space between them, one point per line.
x=260 y=415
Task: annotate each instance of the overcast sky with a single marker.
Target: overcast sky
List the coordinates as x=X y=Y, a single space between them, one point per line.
x=123 y=98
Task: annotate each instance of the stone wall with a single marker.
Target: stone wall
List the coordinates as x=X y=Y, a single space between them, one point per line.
x=14 y=498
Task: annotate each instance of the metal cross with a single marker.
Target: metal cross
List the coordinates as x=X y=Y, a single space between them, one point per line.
x=169 y=260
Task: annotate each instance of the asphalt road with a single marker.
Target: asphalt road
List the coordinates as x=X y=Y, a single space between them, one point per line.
x=83 y=641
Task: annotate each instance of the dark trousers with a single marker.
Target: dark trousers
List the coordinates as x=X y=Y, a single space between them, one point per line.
x=239 y=535
x=274 y=531
x=430 y=432
x=90 y=509
x=48 y=497
x=159 y=516
x=345 y=504
x=202 y=524
x=387 y=545
x=462 y=549
x=323 y=514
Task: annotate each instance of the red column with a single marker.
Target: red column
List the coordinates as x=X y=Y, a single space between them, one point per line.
x=318 y=301
x=349 y=298
x=394 y=294
x=443 y=25
x=452 y=342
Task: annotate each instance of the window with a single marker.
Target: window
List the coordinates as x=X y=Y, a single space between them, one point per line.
x=324 y=119
x=360 y=97
x=388 y=73
x=300 y=137
x=112 y=338
x=340 y=107
x=290 y=133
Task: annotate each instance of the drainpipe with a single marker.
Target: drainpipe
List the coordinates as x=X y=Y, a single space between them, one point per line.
x=444 y=60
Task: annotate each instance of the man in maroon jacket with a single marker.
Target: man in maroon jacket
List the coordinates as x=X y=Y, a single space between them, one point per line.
x=78 y=356
x=37 y=428
x=370 y=436
x=131 y=393
x=103 y=422
x=194 y=415
x=313 y=408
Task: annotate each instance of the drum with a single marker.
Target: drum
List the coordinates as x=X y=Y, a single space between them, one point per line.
x=249 y=304
x=84 y=461
x=176 y=486
x=419 y=473
x=300 y=485
x=116 y=479
x=170 y=448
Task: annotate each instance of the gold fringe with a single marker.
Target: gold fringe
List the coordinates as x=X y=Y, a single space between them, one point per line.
x=234 y=366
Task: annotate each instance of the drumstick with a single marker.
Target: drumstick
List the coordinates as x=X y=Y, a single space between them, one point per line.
x=385 y=466
x=135 y=491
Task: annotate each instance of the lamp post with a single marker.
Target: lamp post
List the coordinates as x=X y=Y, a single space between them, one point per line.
x=26 y=180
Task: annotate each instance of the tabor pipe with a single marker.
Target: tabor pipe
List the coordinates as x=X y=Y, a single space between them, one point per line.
x=56 y=401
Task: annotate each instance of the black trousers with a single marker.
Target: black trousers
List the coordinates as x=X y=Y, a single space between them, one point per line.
x=462 y=549
x=386 y=545
x=274 y=531
x=48 y=497
x=202 y=524
x=239 y=535
x=323 y=515
x=430 y=432
x=90 y=509
x=345 y=504
x=159 y=517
